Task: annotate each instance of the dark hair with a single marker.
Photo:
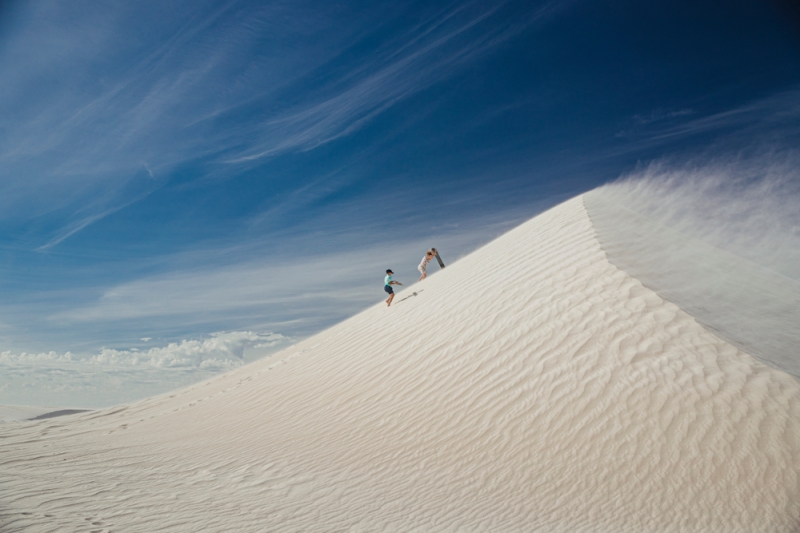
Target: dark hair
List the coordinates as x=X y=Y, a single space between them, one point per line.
x=389 y=271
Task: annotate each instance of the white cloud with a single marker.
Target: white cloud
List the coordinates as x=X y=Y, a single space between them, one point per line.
x=297 y=292
x=220 y=350
x=114 y=114
x=763 y=123
x=430 y=53
x=777 y=108
x=24 y=357
x=111 y=108
x=112 y=376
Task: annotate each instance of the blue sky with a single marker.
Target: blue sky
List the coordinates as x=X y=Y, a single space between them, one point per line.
x=239 y=174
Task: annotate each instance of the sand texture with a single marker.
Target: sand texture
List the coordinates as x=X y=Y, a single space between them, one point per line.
x=16 y=413
x=749 y=306
x=530 y=386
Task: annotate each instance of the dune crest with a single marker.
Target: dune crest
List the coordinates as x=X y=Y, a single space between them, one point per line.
x=530 y=386
x=16 y=413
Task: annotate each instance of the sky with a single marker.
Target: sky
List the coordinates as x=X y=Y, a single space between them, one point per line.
x=189 y=185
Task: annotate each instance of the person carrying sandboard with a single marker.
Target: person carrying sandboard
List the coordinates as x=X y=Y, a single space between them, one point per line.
x=423 y=266
x=439 y=259
x=427 y=258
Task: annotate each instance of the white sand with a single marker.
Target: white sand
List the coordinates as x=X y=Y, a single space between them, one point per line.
x=531 y=386
x=16 y=413
x=754 y=308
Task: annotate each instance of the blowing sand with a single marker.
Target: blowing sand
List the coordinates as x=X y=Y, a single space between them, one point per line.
x=531 y=386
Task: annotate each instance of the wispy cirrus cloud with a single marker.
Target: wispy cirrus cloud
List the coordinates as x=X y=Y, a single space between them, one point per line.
x=296 y=290
x=74 y=227
x=333 y=284
x=772 y=120
x=202 y=83
x=431 y=52
x=87 y=98
x=781 y=109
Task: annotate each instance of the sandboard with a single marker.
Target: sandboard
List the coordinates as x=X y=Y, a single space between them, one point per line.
x=441 y=264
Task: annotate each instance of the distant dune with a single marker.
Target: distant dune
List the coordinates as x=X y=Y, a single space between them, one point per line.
x=15 y=413
x=530 y=386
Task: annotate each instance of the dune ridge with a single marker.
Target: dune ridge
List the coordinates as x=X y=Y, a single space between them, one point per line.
x=530 y=386
x=15 y=413
x=754 y=308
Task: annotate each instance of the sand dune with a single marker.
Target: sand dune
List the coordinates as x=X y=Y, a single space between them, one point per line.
x=15 y=413
x=752 y=307
x=531 y=386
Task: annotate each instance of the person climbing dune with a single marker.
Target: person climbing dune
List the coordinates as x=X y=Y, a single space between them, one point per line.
x=423 y=266
x=387 y=286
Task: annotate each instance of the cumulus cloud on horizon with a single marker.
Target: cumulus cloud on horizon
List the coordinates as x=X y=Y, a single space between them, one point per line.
x=117 y=375
x=221 y=349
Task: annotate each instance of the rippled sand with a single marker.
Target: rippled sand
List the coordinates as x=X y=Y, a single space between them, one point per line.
x=531 y=386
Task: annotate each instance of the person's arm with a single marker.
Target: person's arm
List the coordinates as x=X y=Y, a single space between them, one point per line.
x=396 y=283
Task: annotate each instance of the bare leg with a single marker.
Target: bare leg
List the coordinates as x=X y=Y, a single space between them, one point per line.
x=424 y=274
x=389 y=300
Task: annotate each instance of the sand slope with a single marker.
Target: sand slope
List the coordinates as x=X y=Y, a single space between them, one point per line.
x=531 y=386
x=16 y=413
x=752 y=307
